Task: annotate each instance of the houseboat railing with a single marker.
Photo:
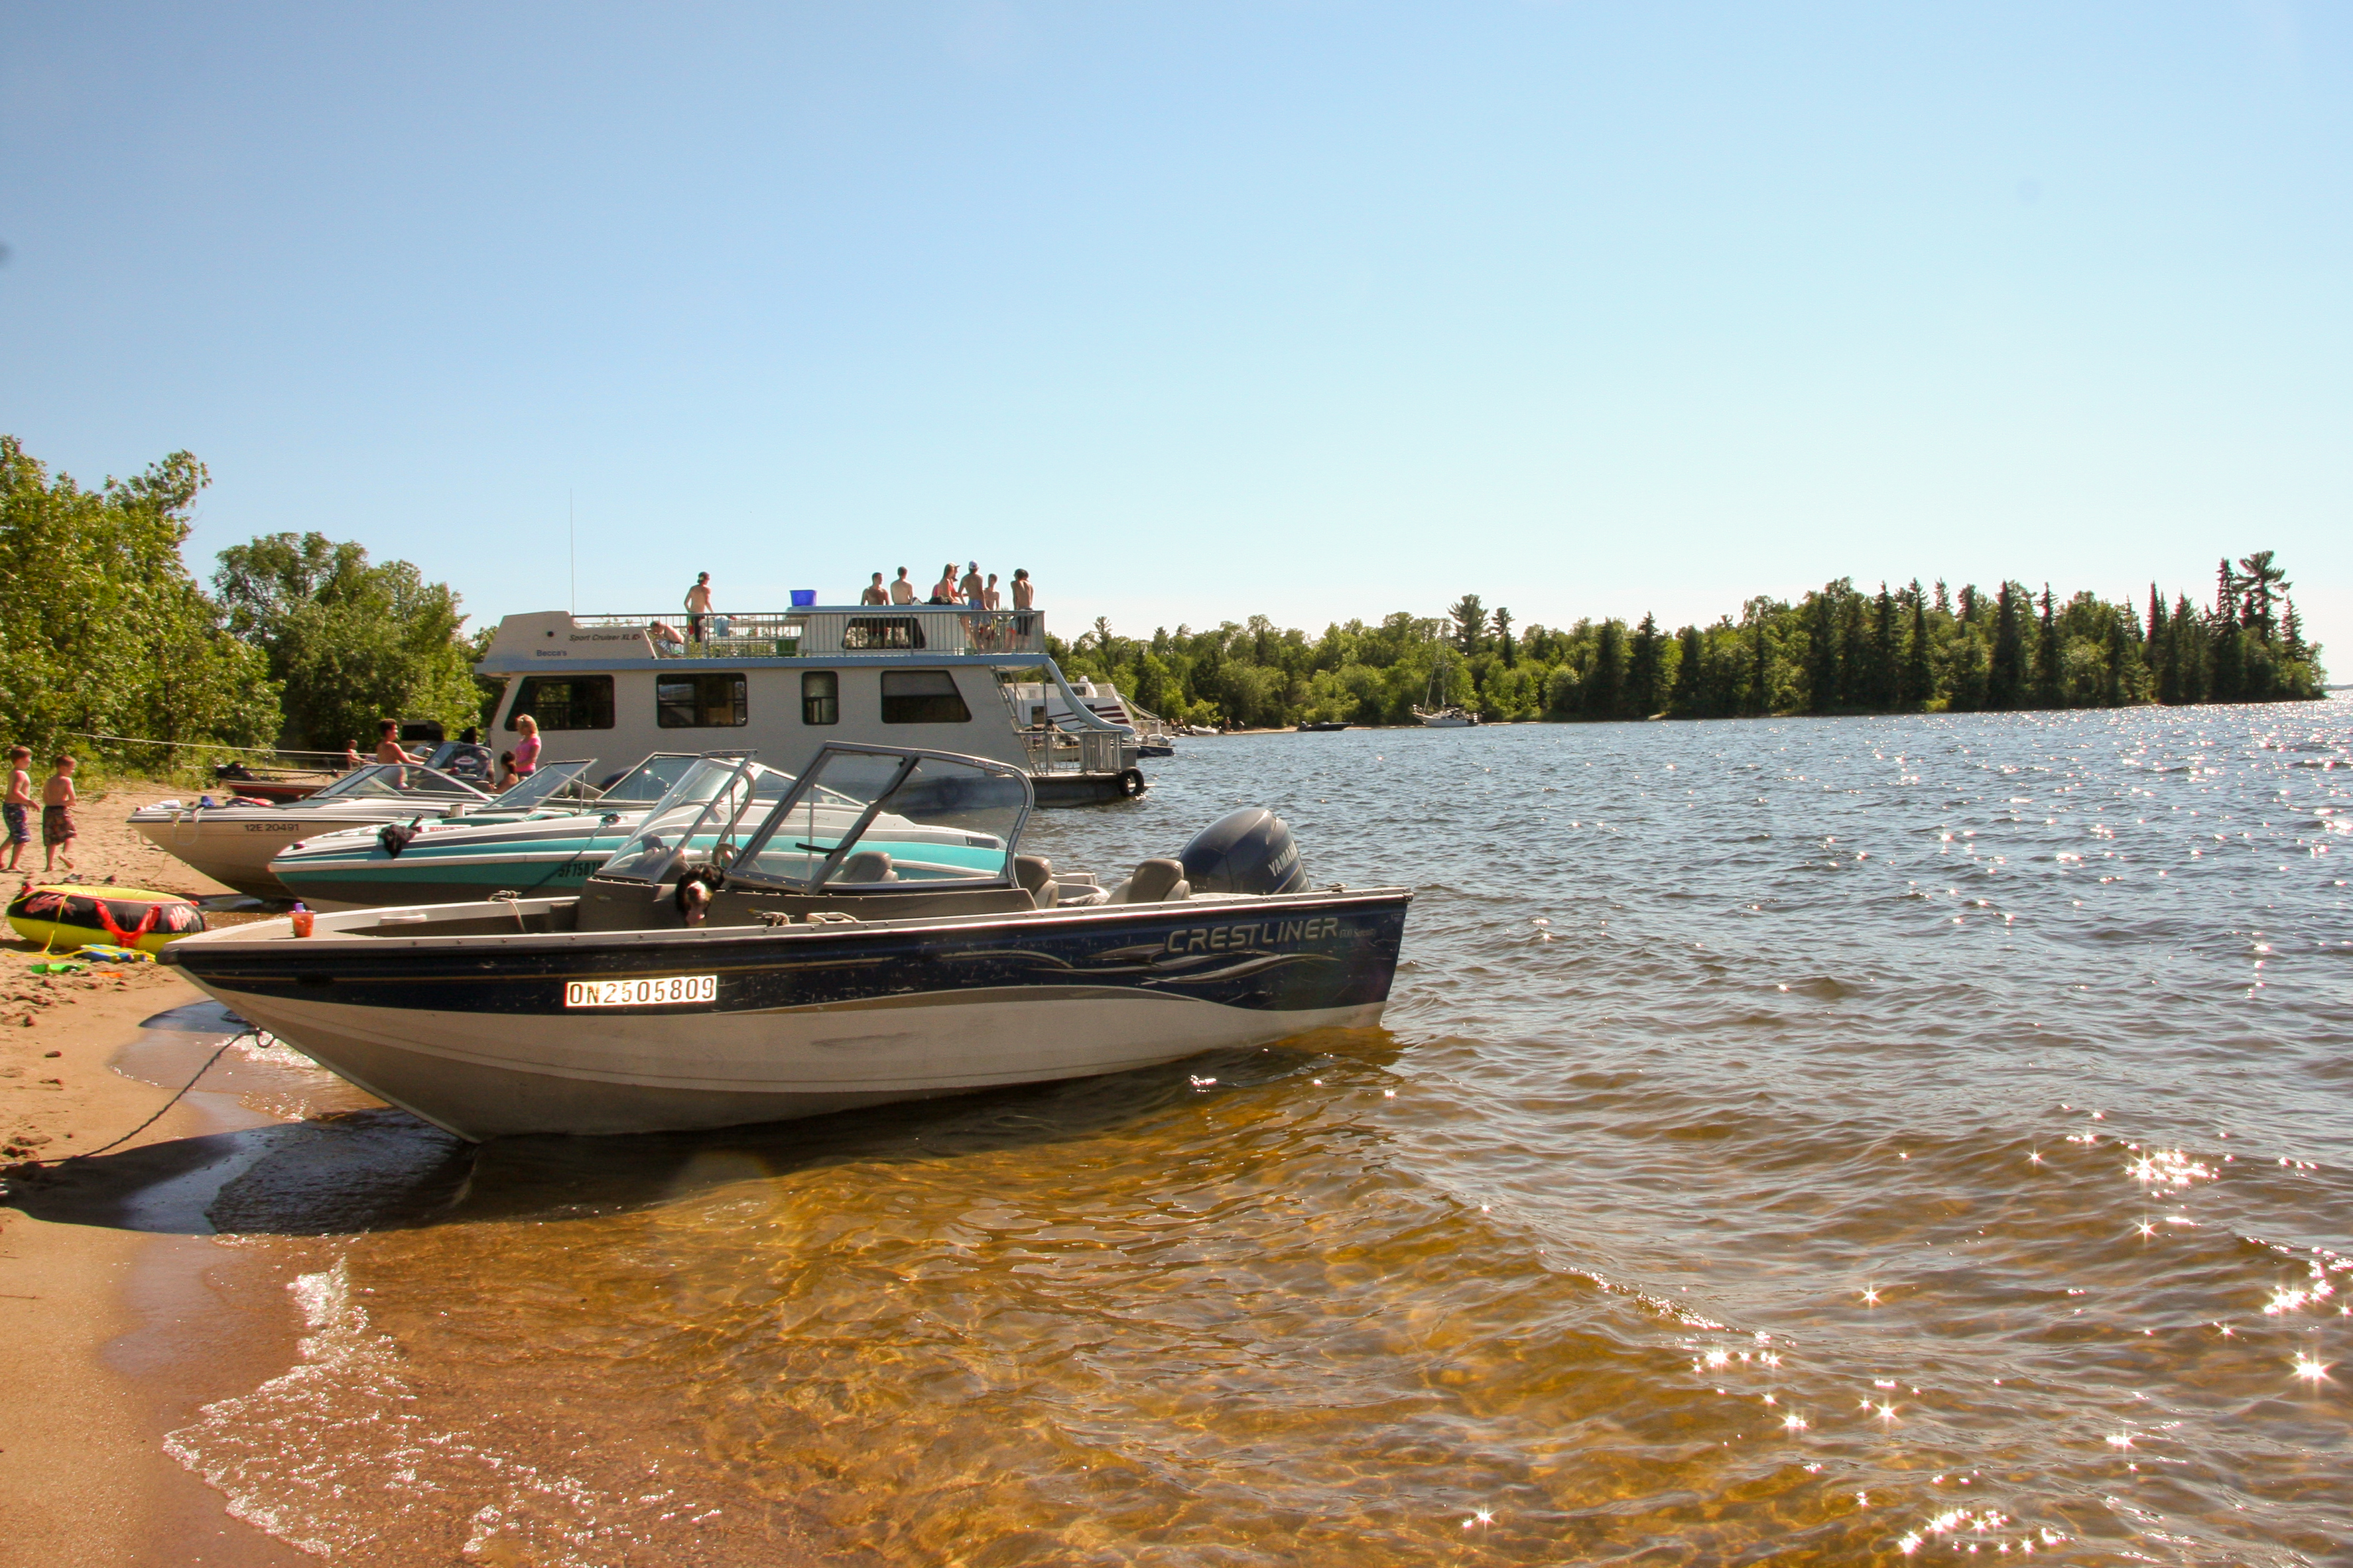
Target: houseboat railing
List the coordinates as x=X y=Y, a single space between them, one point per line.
x=916 y=630
x=1051 y=751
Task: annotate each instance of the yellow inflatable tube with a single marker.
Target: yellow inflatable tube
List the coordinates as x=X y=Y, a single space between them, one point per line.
x=64 y=916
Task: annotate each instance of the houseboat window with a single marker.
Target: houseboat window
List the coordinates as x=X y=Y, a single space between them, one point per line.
x=922 y=697
x=820 y=696
x=565 y=701
x=699 y=702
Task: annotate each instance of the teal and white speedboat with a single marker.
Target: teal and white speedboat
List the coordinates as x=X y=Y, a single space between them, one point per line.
x=539 y=845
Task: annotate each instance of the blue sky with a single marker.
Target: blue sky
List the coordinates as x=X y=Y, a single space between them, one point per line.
x=1203 y=310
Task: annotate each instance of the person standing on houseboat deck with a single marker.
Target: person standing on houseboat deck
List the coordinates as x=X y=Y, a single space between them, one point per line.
x=387 y=744
x=969 y=590
x=1025 y=597
x=876 y=594
x=698 y=606
x=20 y=803
x=58 y=829
x=526 y=752
x=901 y=590
x=991 y=630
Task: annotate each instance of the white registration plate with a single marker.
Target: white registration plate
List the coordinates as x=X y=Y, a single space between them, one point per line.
x=665 y=991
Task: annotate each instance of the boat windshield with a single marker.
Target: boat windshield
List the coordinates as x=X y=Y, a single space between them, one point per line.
x=868 y=817
x=696 y=818
x=649 y=780
x=396 y=781
x=555 y=779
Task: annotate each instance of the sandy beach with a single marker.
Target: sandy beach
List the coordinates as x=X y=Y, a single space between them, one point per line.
x=87 y=1479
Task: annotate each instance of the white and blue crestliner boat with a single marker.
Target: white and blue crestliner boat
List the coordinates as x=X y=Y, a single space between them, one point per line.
x=875 y=935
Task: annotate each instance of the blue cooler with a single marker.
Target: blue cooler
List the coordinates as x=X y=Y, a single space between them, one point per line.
x=804 y=597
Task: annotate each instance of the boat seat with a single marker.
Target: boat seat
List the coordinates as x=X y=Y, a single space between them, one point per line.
x=866 y=865
x=1154 y=881
x=1036 y=873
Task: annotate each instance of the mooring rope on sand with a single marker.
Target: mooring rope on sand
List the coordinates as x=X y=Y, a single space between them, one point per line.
x=248 y=1033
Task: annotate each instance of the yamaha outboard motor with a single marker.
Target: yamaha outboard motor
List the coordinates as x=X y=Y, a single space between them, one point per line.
x=1248 y=851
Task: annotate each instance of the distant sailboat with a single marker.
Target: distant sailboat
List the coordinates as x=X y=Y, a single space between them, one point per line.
x=1437 y=717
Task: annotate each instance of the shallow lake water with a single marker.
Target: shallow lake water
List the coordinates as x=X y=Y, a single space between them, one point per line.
x=1825 y=1140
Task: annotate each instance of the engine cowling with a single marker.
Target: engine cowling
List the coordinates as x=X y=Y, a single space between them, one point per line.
x=1249 y=851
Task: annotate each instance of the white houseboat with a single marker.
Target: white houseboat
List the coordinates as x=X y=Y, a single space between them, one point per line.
x=783 y=683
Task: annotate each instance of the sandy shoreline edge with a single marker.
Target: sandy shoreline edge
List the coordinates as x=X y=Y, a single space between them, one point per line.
x=86 y=1476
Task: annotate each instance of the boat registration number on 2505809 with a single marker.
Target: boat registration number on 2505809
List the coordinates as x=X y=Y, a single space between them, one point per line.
x=667 y=990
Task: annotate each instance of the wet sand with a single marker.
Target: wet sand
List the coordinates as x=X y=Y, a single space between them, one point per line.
x=114 y=1336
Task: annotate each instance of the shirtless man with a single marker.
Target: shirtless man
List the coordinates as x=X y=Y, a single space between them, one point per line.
x=875 y=593
x=20 y=803
x=387 y=744
x=968 y=589
x=901 y=590
x=991 y=628
x=1025 y=597
x=698 y=605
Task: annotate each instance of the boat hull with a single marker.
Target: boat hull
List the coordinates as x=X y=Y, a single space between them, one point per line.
x=474 y=1032
x=234 y=845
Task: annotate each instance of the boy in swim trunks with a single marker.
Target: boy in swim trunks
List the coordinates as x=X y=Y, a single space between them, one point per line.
x=58 y=829
x=20 y=809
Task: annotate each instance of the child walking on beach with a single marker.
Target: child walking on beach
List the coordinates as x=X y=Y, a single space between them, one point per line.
x=20 y=803
x=58 y=829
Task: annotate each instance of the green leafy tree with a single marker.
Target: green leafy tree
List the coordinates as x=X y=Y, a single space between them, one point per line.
x=352 y=641
x=103 y=630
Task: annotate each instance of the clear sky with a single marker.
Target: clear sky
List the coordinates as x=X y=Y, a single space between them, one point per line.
x=1200 y=310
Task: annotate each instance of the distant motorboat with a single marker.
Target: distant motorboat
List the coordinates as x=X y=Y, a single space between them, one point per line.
x=1324 y=727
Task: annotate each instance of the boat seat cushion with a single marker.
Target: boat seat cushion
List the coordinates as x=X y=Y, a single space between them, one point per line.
x=1154 y=881
x=1036 y=873
x=866 y=865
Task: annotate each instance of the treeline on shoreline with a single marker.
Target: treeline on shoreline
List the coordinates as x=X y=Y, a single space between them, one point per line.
x=1840 y=649
x=302 y=642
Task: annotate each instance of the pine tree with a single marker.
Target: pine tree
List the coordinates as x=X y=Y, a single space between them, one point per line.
x=1641 y=698
x=1690 y=694
x=2292 y=633
x=1944 y=603
x=1760 y=675
x=1920 y=676
x=1886 y=681
x=1470 y=618
x=2009 y=667
x=2187 y=661
x=1604 y=688
x=1822 y=655
x=2048 y=692
x=2112 y=684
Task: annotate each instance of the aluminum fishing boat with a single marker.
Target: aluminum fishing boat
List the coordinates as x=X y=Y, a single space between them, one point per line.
x=546 y=851
x=876 y=935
